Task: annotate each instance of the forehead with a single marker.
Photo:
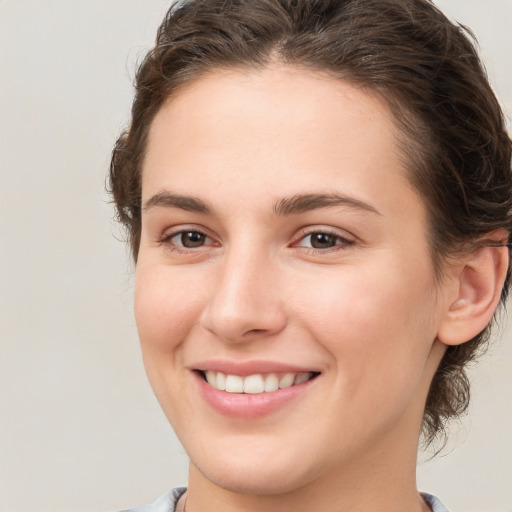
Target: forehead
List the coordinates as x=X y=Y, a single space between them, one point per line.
x=278 y=131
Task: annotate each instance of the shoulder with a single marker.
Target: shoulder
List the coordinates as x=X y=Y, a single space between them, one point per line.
x=435 y=503
x=166 y=503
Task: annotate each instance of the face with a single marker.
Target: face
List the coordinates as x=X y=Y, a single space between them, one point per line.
x=284 y=260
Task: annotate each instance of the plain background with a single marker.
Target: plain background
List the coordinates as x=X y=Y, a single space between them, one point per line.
x=79 y=428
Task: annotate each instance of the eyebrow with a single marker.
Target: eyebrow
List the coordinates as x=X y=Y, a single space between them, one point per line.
x=307 y=202
x=300 y=203
x=188 y=203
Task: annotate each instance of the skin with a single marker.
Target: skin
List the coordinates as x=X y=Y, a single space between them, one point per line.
x=365 y=312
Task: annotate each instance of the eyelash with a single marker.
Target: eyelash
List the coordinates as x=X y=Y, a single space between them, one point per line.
x=167 y=240
x=340 y=242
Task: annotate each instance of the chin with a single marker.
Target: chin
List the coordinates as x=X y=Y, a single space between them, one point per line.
x=260 y=482
x=244 y=475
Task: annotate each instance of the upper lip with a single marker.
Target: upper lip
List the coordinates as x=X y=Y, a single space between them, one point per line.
x=245 y=368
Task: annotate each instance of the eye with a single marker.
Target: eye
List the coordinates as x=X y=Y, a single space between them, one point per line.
x=189 y=239
x=186 y=239
x=323 y=240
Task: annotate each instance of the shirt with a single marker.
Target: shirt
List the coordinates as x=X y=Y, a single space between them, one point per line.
x=167 y=502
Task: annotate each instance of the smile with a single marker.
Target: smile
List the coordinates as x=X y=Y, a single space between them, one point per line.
x=256 y=383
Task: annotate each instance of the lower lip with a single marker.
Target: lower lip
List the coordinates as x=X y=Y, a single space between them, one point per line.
x=246 y=405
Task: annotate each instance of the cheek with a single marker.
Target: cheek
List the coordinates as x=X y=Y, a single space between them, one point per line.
x=165 y=310
x=377 y=328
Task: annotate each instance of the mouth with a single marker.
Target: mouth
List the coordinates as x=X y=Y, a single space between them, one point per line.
x=256 y=383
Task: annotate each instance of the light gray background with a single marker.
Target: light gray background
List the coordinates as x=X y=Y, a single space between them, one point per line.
x=79 y=428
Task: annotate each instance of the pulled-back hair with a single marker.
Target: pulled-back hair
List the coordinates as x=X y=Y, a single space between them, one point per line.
x=452 y=130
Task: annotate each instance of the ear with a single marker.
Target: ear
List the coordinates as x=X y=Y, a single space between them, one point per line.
x=477 y=284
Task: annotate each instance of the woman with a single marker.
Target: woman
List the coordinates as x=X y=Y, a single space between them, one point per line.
x=317 y=197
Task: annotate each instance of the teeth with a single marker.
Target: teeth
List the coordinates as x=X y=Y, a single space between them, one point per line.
x=286 y=380
x=257 y=383
x=221 y=381
x=211 y=378
x=271 y=383
x=300 y=378
x=254 y=384
x=234 y=384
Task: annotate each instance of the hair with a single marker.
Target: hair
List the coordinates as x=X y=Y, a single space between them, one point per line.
x=452 y=130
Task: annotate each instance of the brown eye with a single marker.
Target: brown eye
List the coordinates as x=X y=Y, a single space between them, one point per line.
x=190 y=239
x=323 y=240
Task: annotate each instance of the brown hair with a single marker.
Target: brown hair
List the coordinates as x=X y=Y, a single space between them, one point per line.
x=452 y=129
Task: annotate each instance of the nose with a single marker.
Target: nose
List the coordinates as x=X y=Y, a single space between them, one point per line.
x=246 y=300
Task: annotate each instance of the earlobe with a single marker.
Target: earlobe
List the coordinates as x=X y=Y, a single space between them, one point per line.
x=478 y=281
